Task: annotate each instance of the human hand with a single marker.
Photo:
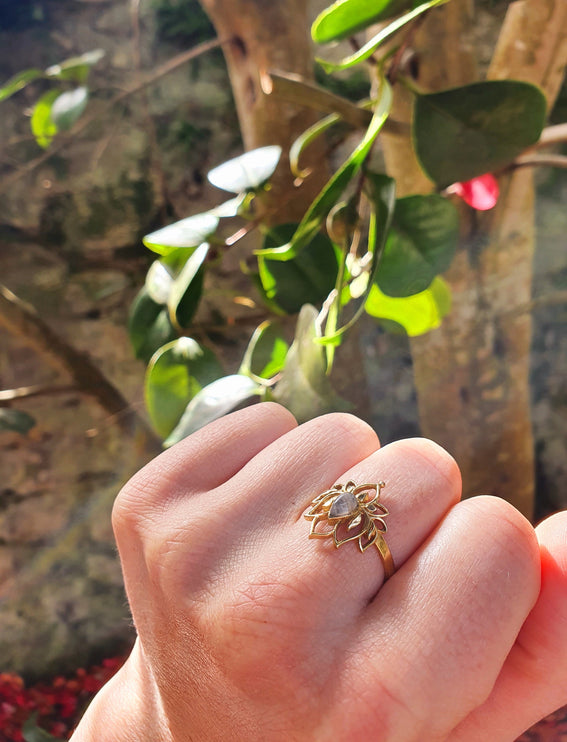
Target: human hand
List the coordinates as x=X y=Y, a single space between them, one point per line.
x=250 y=631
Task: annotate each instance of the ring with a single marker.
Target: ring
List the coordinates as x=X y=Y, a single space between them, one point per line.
x=352 y=513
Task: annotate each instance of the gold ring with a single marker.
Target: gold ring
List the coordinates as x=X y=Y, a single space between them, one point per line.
x=352 y=512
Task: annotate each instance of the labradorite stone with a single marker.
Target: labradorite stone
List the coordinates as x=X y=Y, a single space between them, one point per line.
x=345 y=504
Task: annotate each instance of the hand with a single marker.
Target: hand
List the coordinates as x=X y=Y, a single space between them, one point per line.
x=250 y=631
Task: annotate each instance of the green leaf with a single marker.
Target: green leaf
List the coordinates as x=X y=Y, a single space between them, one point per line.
x=42 y=126
x=186 y=289
x=189 y=232
x=346 y=17
x=383 y=35
x=15 y=420
x=421 y=244
x=305 y=139
x=306 y=279
x=475 y=129
x=266 y=352
x=159 y=281
x=304 y=387
x=213 y=401
x=175 y=374
x=247 y=172
x=417 y=314
x=18 y=82
x=76 y=68
x=69 y=107
x=149 y=326
x=229 y=208
x=327 y=198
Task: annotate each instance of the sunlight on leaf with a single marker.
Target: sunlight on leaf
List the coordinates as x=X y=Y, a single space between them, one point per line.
x=383 y=35
x=213 y=401
x=189 y=232
x=247 y=172
x=175 y=374
x=416 y=314
x=69 y=107
x=42 y=125
x=266 y=352
x=346 y=17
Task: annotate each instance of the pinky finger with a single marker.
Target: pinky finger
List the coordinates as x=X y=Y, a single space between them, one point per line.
x=533 y=680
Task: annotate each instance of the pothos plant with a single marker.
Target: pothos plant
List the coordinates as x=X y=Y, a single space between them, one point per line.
x=358 y=249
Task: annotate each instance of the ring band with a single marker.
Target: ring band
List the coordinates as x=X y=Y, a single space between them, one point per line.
x=352 y=512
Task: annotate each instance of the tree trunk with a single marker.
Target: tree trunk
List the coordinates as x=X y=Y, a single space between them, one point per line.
x=264 y=36
x=472 y=373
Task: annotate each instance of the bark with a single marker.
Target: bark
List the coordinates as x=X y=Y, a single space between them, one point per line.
x=267 y=36
x=472 y=374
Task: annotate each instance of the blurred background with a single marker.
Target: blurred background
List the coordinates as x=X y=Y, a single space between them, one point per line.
x=71 y=221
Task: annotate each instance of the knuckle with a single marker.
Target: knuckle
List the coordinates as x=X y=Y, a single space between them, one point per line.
x=512 y=535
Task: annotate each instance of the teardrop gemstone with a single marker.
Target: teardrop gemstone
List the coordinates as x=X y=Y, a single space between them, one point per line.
x=343 y=505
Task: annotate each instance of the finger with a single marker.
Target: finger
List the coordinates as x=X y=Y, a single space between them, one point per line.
x=285 y=597
x=229 y=528
x=533 y=681
x=207 y=458
x=438 y=634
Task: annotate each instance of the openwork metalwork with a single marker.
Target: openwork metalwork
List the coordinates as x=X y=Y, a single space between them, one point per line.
x=352 y=512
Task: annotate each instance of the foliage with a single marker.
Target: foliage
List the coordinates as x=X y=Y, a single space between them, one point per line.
x=357 y=249
x=58 y=108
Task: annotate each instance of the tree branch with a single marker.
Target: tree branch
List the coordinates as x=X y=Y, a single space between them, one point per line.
x=37 y=390
x=84 y=123
x=540 y=161
x=22 y=320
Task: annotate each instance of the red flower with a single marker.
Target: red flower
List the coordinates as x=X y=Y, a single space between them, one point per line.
x=480 y=193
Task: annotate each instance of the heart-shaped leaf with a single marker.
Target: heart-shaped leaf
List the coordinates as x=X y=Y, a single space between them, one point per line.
x=306 y=279
x=189 y=232
x=266 y=352
x=416 y=314
x=149 y=326
x=475 y=129
x=69 y=107
x=247 y=172
x=304 y=387
x=213 y=401
x=420 y=245
x=175 y=374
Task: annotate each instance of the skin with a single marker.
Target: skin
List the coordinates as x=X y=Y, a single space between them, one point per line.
x=248 y=630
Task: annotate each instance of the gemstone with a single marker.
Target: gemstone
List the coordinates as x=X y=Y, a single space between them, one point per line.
x=345 y=504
